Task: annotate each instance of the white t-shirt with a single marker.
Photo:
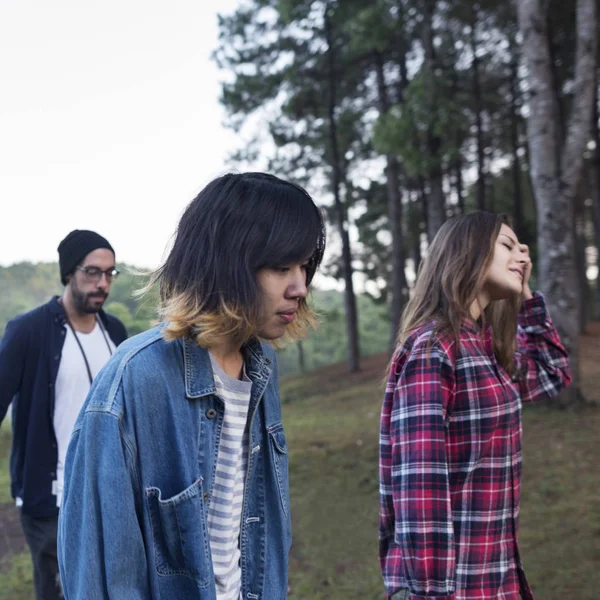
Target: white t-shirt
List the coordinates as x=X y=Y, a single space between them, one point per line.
x=72 y=386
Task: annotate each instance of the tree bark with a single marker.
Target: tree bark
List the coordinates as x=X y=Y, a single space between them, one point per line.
x=555 y=174
x=456 y=165
x=301 y=357
x=424 y=205
x=490 y=195
x=402 y=49
x=478 y=120
x=436 y=205
x=392 y=172
x=561 y=122
x=458 y=181
x=514 y=138
x=579 y=219
x=596 y=194
x=349 y=295
x=416 y=248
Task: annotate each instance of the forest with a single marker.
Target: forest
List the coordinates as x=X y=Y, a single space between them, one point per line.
x=398 y=114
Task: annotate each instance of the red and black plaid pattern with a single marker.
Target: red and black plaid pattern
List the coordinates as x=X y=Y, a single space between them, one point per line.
x=450 y=459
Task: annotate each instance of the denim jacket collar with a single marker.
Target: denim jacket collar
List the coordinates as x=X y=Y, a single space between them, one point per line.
x=199 y=379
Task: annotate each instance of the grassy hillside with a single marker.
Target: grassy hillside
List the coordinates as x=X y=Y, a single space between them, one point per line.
x=332 y=427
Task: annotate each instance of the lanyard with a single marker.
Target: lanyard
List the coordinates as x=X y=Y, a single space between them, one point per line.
x=87 y=364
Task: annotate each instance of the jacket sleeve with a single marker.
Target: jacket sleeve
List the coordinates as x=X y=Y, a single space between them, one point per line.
x=416 y=530
x=541 y=361
x=123 y=331
x=116 y=329
x=101 y=552
x=13 y=351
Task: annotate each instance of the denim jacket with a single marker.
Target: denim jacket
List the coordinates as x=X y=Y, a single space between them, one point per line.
x=139 y=475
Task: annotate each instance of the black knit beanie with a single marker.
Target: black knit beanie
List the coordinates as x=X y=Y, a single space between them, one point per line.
x=75 y=247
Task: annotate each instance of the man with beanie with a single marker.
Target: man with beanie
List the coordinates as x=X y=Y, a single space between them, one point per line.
x=48 y=360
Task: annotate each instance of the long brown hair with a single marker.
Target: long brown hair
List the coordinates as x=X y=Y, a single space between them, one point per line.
x=450 y=280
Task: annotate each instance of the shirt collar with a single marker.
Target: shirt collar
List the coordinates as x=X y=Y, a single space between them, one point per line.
x=199 y=380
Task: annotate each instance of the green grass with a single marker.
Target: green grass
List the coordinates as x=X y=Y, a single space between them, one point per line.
x=5 y=439
x=332 y=427
x=16 y=578
x=332 y=423
x=334 y=482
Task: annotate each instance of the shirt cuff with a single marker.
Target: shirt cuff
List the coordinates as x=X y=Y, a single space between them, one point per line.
x=533 y=311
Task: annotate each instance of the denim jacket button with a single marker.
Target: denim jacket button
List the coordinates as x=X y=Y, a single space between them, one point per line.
x=211 y=413
x=206 y=496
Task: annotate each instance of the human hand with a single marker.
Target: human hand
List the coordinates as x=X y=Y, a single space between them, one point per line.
x=527 y=268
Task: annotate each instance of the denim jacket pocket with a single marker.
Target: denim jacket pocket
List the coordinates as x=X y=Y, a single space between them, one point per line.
x=179 y=534
x=279 y=452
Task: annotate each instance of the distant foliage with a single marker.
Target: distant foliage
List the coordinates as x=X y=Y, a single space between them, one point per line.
x=25 y=286
x=328 y=344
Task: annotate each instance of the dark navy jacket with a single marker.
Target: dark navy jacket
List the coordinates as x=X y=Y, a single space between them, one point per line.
x=30 y=352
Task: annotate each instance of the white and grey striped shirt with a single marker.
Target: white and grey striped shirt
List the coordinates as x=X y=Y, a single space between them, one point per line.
x=225 y=509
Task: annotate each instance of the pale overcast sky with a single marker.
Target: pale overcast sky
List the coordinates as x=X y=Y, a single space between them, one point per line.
x=109 y=120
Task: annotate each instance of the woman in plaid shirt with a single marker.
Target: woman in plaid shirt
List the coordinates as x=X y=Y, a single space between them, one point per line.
x=474 y=344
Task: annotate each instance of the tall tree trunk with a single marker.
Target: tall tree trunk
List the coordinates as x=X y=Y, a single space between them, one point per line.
x=531 y=187
x=301 y=357
x=596 y=193
x=561 y=129
x=349 y=296
x=456 y=164
x=579 y=219
x=490 y=194
x=458 y=181
x=424 y=205
x=394 y=199
x=402 y=49
x=514 y=138
x=477 y=97
x=556 y=172
x=436 y=205
x=416 y=246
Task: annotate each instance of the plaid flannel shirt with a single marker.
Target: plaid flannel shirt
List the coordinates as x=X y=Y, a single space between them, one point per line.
x=450 y=459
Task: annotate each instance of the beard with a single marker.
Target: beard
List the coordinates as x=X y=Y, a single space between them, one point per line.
x=88 y=303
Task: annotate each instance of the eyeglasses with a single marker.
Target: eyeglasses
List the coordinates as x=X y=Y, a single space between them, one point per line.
x=94 y=274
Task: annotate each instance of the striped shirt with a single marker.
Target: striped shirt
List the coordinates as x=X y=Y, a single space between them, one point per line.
x=450 y=459
x=225 y=509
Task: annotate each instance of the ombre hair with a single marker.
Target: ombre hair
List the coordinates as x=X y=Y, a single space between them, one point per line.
x=451 y=278
x=237 y=225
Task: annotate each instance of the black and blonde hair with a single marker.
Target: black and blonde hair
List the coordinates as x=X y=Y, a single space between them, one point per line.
x=237 y=225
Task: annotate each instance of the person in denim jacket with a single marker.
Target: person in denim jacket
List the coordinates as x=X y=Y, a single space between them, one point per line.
x=475 y=342
x=176 y=483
